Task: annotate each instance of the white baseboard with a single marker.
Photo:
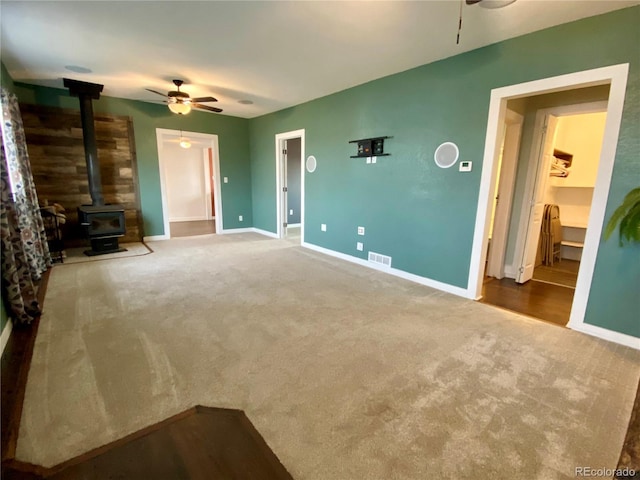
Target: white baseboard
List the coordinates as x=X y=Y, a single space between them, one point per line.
x=445 y=287
x=510 y=271
x=265 y=233
x=155 y=238
x=190 y=219
x=595 y=331
x=6 y=333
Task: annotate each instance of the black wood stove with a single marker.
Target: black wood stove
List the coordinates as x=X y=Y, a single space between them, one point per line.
x=103 y=223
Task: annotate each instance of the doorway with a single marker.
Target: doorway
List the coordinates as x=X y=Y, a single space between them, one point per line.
x=615 y=77
x=553 y=223
x=189 y=183
x=290 y=148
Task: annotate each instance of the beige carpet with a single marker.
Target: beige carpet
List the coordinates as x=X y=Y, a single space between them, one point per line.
x=348 y=373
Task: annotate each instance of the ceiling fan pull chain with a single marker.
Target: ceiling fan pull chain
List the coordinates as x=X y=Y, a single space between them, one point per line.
x=459 y=24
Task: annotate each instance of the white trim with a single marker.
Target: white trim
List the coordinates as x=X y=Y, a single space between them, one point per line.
x=616 y=76
x=199 y=218
x=266 y=233
x=294 y=225
x=6 y=333
x=445 y=287
x=279 y=141
x=161 y=133
x=510 y=271
x=155 y=238
x=621 y=338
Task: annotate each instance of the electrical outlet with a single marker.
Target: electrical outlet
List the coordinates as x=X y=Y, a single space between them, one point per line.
x=374 y=159
x=368 y=159
x=226 y=179
x=360 y=230
x=240 y=217
x=323 y=227
x=465 y=166
x=359 y=246
x=291 y=211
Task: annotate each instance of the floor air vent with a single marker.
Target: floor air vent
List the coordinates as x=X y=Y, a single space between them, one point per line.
x=380 y=259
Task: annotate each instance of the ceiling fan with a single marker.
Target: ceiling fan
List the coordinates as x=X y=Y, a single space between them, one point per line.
x=490 y=3
x=181 y=103
x=484 y=4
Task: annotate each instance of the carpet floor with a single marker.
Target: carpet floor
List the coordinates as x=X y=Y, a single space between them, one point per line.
x=346 y=372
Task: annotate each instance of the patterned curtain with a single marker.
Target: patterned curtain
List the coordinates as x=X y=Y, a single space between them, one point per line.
x=25 y=253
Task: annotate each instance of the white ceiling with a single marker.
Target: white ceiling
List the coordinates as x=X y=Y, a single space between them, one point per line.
x=274 y=53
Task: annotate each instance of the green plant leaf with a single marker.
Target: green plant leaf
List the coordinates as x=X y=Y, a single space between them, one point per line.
x=627 y=216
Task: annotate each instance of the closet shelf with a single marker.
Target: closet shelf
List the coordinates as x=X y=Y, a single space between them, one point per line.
x=568 y=243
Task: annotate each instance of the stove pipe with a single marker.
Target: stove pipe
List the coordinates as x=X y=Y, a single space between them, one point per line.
x=87 y=92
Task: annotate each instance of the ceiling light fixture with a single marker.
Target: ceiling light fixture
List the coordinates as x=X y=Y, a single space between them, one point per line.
x=184 y=141
x=180 y=108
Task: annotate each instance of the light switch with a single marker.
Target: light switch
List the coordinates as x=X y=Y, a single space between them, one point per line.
x=226 y=179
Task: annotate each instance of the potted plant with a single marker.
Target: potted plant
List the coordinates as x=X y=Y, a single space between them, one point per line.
x=627 y=216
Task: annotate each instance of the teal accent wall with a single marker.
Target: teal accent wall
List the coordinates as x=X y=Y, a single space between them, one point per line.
x=424 y=216
x=233 y=138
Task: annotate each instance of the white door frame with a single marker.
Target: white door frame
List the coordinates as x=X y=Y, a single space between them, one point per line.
x=164 y=134
x=281 y=138
x=510 y=153
x=616 y=76
x=535 y=158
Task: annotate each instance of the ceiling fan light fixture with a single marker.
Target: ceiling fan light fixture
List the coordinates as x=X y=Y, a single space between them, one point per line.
x=495 y=3
x=180 y=108
x=185 y=143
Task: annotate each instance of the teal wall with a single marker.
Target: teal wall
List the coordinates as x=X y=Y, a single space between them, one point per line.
x=233 y=137
x=424 y=216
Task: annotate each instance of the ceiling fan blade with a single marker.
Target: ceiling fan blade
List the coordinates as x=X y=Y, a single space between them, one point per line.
x=204 y=99
x=206 y=107
x=472 y=2
x=155 y=91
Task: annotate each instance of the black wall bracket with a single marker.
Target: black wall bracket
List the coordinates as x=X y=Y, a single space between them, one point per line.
x=370 y=147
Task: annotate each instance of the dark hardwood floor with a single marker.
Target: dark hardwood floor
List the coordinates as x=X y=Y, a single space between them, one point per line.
x=544 y=301
x=16 y=361
x=199 y=444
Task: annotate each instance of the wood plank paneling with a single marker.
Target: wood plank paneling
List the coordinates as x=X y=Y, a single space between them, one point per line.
x=56 y=153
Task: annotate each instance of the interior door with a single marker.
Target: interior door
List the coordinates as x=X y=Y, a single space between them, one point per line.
x=212 y=183
x=504 y=193
x=536 y=210
x=285 y=207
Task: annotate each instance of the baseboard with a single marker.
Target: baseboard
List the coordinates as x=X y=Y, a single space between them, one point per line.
x=6 y=333
x=155 y=238
x=609 y=335
x=445 y=287
x=237 y=230
x=510 y=271
x=265 y=233
x=189 y=219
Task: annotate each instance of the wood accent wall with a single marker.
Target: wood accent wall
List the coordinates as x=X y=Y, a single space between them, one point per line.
x=56 y=152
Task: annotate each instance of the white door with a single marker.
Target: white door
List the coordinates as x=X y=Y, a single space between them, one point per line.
x=506 y=183
x=285 y=206
x=536 y=210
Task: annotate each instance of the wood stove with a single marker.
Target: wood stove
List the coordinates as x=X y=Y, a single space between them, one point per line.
x=103 y=223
